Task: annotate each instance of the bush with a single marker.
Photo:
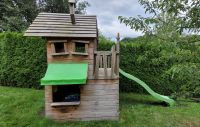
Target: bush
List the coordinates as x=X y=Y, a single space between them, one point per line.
x=170 y=68
x=23 y=60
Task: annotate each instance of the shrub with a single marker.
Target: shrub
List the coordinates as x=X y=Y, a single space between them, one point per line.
x=23 y=60
x=170 y=68
x=158 y=61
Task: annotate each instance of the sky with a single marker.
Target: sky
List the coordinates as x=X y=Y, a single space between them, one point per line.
x=107 y=12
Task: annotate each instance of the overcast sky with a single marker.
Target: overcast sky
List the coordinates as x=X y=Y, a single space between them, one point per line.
x=107 y=12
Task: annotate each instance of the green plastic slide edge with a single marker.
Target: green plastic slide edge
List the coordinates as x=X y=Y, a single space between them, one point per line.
x=166 y=99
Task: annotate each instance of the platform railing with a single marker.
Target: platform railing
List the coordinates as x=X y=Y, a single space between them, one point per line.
x=107 y=64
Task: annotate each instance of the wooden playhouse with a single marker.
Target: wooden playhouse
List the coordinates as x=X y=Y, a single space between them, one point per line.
x=81 y=83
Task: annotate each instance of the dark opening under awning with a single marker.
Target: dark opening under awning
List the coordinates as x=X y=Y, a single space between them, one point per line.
x=65 y=74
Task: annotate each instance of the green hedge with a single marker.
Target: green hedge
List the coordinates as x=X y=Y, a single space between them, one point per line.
x=170 y=68
x=23 y=60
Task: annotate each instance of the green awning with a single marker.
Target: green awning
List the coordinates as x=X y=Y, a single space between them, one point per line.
x=65 y=74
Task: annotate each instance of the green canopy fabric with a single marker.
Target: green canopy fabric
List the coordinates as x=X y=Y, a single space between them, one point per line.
x=65 y=74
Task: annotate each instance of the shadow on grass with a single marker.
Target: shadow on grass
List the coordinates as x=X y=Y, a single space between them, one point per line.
x=144 y=100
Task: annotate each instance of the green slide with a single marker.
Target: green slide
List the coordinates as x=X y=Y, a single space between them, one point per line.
x=166 y=99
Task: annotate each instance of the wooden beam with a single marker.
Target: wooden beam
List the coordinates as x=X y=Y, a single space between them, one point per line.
x=105 y=64
x=113 y=61
x=57 y=41
x=97 y=66
x=80 y=41
x=60 y=35
x=64 y=103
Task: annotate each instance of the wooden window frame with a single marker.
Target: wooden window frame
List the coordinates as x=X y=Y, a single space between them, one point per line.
x=57 y=104
x=80 y=53
x=53 y=50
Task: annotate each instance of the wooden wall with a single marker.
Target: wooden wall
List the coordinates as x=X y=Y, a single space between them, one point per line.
x=74 y=58
x=99 y=101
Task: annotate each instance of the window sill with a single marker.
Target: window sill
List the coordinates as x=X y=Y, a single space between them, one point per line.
x=79 y=53
x=60 y=54
x=57 y=104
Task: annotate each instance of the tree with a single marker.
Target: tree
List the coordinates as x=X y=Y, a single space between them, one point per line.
x=17 y=15
x=167 y=16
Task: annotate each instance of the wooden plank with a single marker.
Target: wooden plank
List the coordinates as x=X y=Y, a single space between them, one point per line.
x=87 y=105
x=97 y=66
x=99 y=92
x=63 y=26
x=103 y=52
x=59 y=31
x=60 y=54
x=69 y=58
x=102 y=82
x=57 y=41
x=113 y=61
x=114 y=89
x=75 y=58
x=103 y=77
x=87 y=49
x=117 y=65
x=48 y=94
x=57 y=59
x=102 y=73
x=100 y=87
x=63 y=14
x=63 y=17
x=53 y=50
x=105 y=64
x=63 y=23
x=57 y=18
x=55 y=104
x=79 y=53
x=100 y=61
x=109 y=61
x=80 y=41
x=60 y=35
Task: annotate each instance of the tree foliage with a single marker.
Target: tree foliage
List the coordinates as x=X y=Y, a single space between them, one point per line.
x=16 y=15
x=166 y=16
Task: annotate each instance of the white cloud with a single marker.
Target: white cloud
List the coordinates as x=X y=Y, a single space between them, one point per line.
x=108 y=11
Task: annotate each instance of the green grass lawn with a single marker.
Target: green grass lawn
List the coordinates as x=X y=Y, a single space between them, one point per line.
x=22 y=108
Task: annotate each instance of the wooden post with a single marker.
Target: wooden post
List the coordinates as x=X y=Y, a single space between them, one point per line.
x=105 y=64
x=97 y=66
x=118 y=40
x=118 y=51
x=113 y=61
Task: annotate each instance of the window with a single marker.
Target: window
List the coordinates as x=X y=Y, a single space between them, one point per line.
x=80 y=47
x=59 y=47
x=66 y=95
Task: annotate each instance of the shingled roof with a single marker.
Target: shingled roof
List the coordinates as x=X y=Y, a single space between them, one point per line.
x=60 y=25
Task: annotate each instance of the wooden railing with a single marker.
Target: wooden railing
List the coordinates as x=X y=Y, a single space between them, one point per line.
x=107 y=64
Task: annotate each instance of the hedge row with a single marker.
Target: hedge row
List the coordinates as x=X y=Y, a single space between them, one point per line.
x=23 y=60
x=170 y=68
